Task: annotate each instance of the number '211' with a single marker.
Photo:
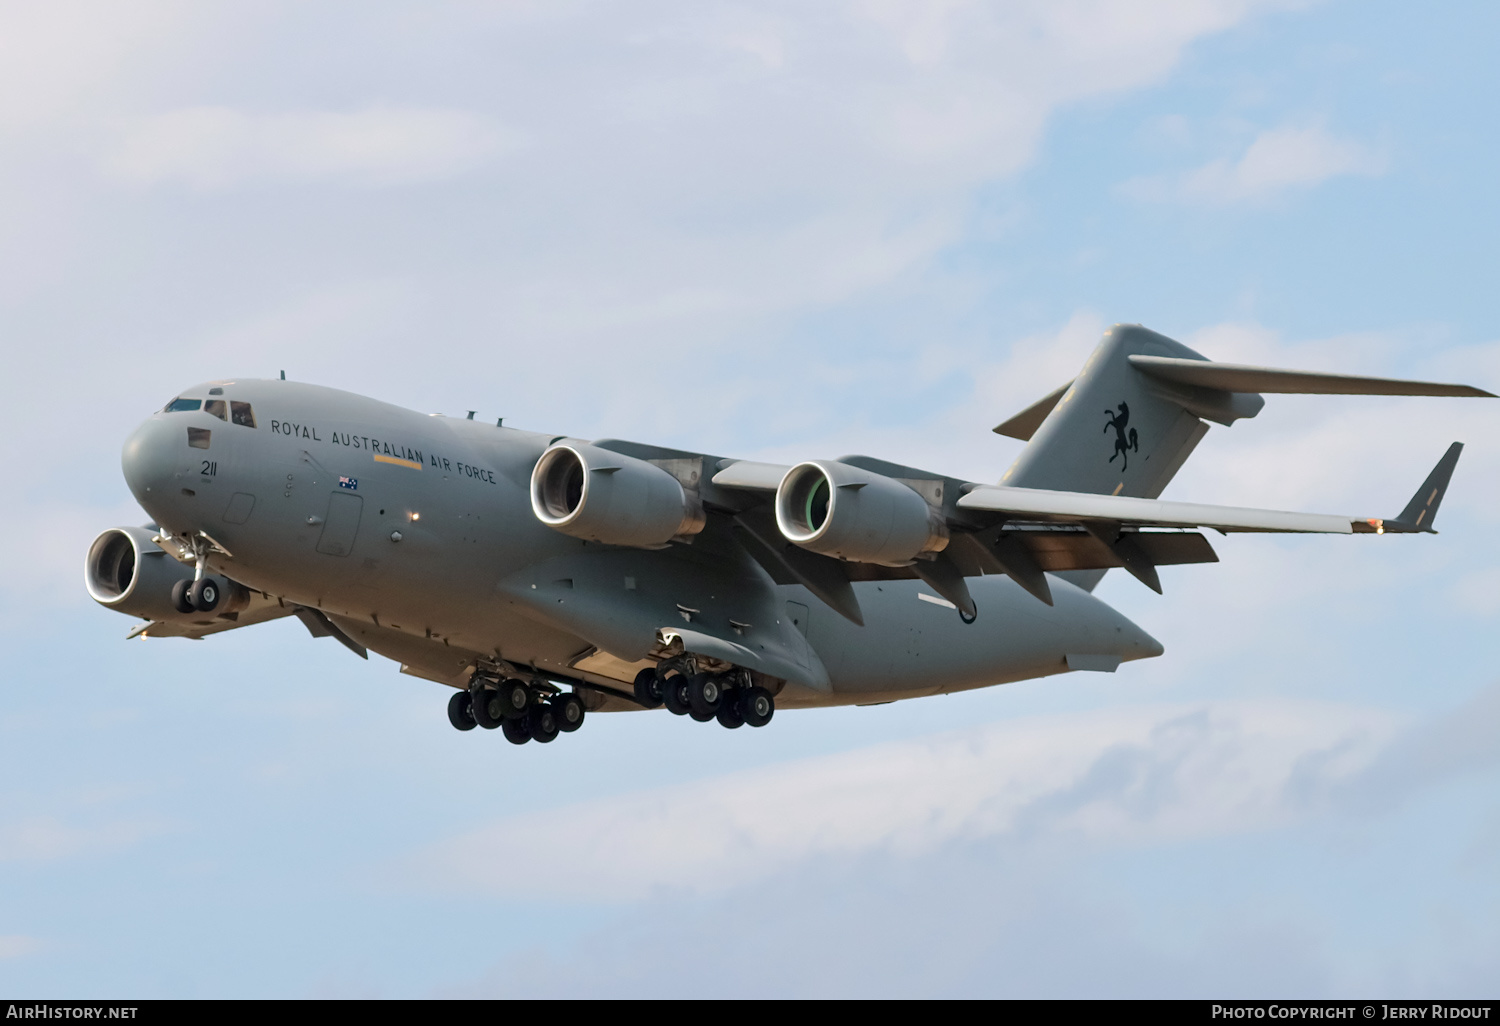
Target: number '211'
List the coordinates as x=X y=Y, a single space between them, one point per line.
x=210 y=468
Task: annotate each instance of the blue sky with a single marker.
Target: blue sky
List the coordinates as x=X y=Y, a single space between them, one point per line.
x=785 y=232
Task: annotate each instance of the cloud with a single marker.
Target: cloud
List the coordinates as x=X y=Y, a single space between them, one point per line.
x=219 y=147
x=46 y=838
x=1141 y=777
x=1278 y=161
x=16 y=945
x=1142 y=858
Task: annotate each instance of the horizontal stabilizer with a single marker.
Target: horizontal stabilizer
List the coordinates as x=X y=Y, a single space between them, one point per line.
x=1422 y=509
x=1235 y=377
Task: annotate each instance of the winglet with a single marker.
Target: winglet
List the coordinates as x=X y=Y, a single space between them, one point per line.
x=1420 y=511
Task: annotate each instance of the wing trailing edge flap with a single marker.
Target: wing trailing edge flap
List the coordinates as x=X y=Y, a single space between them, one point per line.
x=788 y=564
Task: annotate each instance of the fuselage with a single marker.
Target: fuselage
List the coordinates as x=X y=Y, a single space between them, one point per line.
x=415 y=533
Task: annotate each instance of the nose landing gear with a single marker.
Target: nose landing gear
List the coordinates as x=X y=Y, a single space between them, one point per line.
x=202 y=593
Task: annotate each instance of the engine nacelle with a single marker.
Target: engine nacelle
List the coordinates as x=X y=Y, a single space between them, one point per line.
x=130 y=573
x=837 y=510
x=597 y=495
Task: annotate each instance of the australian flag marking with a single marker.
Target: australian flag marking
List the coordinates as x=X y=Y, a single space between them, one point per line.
x=351 y=483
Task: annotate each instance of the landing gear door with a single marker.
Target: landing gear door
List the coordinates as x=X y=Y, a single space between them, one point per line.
x=341 y=524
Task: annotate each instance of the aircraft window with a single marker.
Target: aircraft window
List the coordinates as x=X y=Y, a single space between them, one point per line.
x=216 y=407
x=215 y=391
x=182 y=405
x=243 y=414
x=198 y=438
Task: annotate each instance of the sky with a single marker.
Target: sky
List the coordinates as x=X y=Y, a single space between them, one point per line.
x=778 y=231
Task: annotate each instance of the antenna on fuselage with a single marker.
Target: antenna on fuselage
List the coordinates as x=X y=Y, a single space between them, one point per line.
x=283 y=375
x=471 y=414
x=500 y=422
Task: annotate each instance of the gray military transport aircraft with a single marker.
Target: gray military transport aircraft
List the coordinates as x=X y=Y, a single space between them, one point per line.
x=543 y=577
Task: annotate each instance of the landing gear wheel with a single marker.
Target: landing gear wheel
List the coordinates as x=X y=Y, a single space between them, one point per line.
x=204 y=595
x=729 y=713
x=704 y=695
x=180 y=600
x=515 y=731
x=461 y=711
x=757 y=706
x=541 y=723
x=515 y=698
x=648 y=688
x=568 y=709
x=674 y=695
x=487 y=707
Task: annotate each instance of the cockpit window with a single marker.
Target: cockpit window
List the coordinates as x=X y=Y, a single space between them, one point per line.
x=183 y=405
x=216 y=407
x=242 y=412
x=198 y=437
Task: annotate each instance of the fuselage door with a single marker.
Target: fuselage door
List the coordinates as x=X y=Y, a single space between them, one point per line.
x=341 y=524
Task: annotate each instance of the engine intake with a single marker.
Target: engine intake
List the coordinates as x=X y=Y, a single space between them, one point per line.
x=837 y=510
x=597 y=495
x=128 y=572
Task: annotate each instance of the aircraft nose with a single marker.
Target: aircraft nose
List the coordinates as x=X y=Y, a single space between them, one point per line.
x=149 y=460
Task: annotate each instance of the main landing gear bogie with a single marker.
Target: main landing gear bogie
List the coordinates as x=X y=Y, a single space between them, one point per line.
x=729 y=697
x=522 y=711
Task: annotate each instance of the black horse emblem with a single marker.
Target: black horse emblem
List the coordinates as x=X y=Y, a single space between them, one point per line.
x=1124 y=443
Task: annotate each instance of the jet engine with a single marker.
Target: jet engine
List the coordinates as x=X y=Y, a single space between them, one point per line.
x=837 y=510
x=597 y=495
x=130 y=573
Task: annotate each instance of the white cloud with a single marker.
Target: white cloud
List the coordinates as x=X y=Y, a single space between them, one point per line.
x=46 y=838
x=1277 y=161
x=58 y=60
x=218 y=147
x=15 y=945
x=1140 y=777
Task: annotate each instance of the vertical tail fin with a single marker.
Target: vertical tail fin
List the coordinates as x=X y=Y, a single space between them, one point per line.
x=1115 y=430
x=1127 y=423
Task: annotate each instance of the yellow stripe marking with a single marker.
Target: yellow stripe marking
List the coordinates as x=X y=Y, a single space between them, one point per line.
x=413 y=464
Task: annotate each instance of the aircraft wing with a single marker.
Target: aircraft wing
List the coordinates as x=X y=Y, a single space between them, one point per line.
x=1026 y=533
x=1033 y=504
x=261 y=609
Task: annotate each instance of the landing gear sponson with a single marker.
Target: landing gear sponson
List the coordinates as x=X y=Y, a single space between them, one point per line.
x=523 y=710
x=730 y=697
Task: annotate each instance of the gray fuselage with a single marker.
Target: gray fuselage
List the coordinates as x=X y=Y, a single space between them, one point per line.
x=415 y=534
